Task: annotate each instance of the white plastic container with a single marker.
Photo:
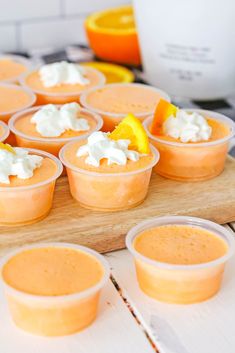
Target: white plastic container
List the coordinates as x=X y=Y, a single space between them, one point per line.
x=193 y=161
x=54 y=315
x=181 y=284
x=107 y=192
x=22 y=205
x=187 y=47
x=49 y=144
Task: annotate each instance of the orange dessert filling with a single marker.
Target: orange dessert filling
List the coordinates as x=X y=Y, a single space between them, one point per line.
x=46 y=171
x=79 y=162
x=52 y=271
x=10 y=69
x=34 y=82
x=124 y=99
x=180 y=245
x=13 y=99
x=25 y=126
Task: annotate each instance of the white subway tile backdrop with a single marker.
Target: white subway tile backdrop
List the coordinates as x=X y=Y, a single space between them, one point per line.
x=35 y=24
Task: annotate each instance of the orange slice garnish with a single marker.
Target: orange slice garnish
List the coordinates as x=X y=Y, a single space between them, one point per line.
x=162 y=112
x=112 y=35
x=130 y=128
x=113 y=73
x=7 y=147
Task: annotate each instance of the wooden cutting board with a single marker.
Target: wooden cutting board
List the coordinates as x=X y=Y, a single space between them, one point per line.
x=68 y=222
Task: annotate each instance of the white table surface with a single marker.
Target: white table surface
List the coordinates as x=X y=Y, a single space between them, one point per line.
x=207 y=327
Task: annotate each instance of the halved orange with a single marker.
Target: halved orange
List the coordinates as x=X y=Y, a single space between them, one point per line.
x=113 y=73
x=130 y=128
x=162 y=112
x=7 y=147
x=112 y=35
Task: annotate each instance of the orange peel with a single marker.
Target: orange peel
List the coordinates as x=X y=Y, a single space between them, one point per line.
x=162 y=112
x=130 y=128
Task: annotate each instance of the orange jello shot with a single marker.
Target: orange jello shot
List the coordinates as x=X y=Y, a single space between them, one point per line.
x=53 y=289
x=107 y=184
x=63 y=92
x=27 y=199
x=27 y=135
x=194 y=161
x=180 y=259
x=114 y=101
x=12 y=67
x=4 y=131
x=14 y=98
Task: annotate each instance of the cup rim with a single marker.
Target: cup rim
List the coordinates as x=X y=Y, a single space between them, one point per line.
x=19 y=88
x=156 y=157
x=6 y=132
x=213 y=227
x=44 y=182
x=20 y=114
x=67 y=297
x=214 y=115
x=19 y=59
x=84 y=95
x=61 y=94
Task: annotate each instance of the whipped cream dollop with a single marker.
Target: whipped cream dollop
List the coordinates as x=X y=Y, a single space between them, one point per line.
x=20 y=164
x=52 y=121
x=62 y=72
x=187 y=127
x=100 y=146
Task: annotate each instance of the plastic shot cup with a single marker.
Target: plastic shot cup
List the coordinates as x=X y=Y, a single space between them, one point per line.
x=49 y=144
x=4 y=131
x=108 y=191
x=112 y=119
x=26 y=63
x=21 y=205
x=181 y=284
x=48 y=96
x=54 y=315
x=192 y=161
x=6 y=114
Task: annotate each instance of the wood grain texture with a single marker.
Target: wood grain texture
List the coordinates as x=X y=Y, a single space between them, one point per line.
x=68 y=222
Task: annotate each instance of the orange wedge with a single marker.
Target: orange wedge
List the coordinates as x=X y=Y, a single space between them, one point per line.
x=113 y=36
x=113 y=73
x=7 y=147
x=130 y=128
x=162 y=112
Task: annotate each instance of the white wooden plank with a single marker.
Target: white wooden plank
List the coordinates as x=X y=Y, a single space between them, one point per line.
x=206 y=327
x=115 y=330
